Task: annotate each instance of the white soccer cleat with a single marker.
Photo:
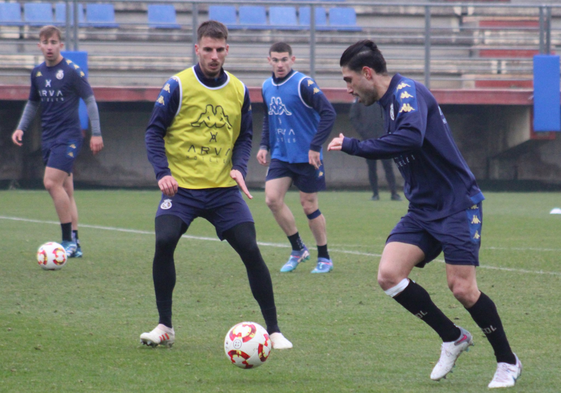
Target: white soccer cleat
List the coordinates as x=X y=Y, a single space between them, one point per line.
x=449 y=353
x=506 y=374
x=279 y=341
x=158 y=336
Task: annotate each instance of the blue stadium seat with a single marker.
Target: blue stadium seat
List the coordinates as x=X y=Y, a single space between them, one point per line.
x=100 y=15
x=38 y=14
x=162 y=16
x=223 y=13
x=10 y=14
x=283 y=18
x=253 y=17
x=321 y=17
x=60 y=13
x=343 y=19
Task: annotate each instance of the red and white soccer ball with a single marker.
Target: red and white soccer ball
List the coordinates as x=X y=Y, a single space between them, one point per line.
x=51 y=256
x=247 y=345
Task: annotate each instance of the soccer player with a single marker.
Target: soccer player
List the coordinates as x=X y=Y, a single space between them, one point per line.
x=199 y=141
x=57 y=85
x=444 y=211
x=298 y=121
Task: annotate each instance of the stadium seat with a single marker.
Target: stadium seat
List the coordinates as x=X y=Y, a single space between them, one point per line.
x=283 y=18
x=100 y=15
x=343 y=19
x=321 y=17
x=253 y=17
x=162 y=16
x=10 y=14
x=223 y=13
x=60 y=13
x=38 y=14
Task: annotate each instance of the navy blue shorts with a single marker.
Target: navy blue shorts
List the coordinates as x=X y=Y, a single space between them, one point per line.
x=222 y=207
x=458 y=236
x=304 y=176
x=61 y=154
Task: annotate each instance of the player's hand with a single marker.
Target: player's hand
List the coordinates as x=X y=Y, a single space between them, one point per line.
x=237 y=176
x=262 y=157
x=314 y=159
x=17 y=137
x=96 y=144
x=336 y=143
x=168 y=185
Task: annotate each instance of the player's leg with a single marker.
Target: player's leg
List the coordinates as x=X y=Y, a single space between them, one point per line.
x=316 y=222
x=463 y=284
x=373 y=179
x=243 y=239
x=53 y=181
x=275 y=191
x=409 y=245
x=169 y=229
x=69 y=188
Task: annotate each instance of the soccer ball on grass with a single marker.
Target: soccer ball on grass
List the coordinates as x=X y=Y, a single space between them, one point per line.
x=247 y=345
x=51 y=256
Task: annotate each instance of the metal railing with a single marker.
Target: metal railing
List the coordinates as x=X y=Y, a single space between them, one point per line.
x=455 y=45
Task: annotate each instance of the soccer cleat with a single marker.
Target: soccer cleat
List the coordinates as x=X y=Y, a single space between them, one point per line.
x=70 y=248
x=158 y=337
x=279 y=341
x=375 y=197
x=78 y=253
x=324 y=265
x=296 y=257
x=396 y=197
x=449 y=353
x=506 y=374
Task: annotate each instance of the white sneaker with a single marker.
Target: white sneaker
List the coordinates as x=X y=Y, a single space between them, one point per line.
x=506 y=374
x=158 y=336
x=279 y=341
x=449 y=353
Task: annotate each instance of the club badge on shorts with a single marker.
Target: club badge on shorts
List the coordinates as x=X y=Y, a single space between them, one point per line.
x=166 y=204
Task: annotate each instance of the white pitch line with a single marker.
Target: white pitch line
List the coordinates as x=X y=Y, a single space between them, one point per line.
x=278 y=245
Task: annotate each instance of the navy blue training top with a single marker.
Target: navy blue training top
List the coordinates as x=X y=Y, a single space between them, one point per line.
x=438 y=181
x=59 y=89
x=163 y=115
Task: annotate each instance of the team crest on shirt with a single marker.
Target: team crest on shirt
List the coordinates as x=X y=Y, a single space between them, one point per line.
x=392 y=116
x=59 y=75
x=166 y=204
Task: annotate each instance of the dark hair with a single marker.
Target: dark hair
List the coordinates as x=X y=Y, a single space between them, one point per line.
x=212 y=29
x=49 y=31
x=281 y=47
x=363 y=53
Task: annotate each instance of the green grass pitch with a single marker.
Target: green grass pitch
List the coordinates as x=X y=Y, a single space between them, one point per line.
x=77 y=329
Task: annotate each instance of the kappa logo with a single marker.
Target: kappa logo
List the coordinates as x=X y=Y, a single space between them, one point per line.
x=38 y=74
x=316 y=90
x=406 y=108
x=402 y=85
x=310 y=82
x=213 y=118
x=477 y=236
x=475 y=220
x=405 y=95
x=167 y=88
x=166 y=204
x=161 y=100
x=276 y=107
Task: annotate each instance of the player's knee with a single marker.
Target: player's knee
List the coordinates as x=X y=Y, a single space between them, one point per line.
x=464 y=292
x=387 y=280
x=274 y=203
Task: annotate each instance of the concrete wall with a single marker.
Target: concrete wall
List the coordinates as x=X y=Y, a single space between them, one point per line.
x=484 y=134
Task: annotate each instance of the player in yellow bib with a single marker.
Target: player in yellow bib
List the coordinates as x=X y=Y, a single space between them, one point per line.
x=199 y=141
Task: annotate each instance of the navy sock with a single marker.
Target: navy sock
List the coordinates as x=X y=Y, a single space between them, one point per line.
x=66 y=232
x=322 y=252
x=296 y=242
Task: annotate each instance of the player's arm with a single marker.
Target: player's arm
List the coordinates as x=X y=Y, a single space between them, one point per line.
x=96 y=141
x=264 y=145
x=164 y=111
x=242 y=146
x=29 y=113
x=314 y=97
